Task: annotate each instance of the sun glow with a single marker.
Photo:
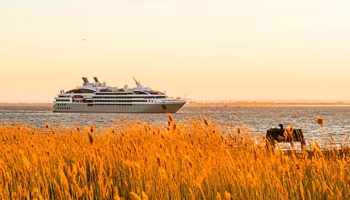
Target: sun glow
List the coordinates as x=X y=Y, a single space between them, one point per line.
x=203 y=50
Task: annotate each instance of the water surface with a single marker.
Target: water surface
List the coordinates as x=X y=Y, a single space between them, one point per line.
x=336 y=128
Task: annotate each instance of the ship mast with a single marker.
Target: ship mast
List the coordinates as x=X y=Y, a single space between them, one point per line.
x=138 y=84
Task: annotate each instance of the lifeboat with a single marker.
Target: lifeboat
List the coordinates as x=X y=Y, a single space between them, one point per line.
x=78 y=98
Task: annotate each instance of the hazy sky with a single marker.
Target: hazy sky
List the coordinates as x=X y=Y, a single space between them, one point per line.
x=204 y=50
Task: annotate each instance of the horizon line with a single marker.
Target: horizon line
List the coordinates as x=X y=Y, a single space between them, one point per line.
x=233 y=101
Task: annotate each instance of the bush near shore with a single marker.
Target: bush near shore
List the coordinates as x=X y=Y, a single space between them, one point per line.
x=135 y=160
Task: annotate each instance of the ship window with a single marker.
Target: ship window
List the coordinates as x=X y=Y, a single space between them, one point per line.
x=62 y=100
x=140 y=92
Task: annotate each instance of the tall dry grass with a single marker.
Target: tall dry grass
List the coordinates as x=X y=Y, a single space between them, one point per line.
x=190 y=160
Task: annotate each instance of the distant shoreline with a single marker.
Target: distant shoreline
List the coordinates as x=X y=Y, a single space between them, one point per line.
x=265 y=104
x=26 y=106
x=48 y=106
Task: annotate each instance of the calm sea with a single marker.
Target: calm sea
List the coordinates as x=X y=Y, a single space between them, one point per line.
x=336 y=129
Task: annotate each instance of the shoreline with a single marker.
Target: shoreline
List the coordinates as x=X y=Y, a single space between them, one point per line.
x=26 y=106
x=267 y=104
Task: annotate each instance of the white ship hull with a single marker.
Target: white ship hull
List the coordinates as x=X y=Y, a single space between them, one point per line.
x=172 y=107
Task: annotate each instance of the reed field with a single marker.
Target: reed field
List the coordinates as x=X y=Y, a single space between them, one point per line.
x=186 y=160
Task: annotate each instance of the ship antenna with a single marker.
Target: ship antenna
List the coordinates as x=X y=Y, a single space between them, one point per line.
x=138 y=84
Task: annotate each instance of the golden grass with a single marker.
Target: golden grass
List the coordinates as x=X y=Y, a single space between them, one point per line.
x=189 y=160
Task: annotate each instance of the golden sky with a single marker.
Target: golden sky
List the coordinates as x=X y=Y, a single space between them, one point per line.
x=199 y=49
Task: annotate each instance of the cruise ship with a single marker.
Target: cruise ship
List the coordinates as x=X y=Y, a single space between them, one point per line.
x=98 y=97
